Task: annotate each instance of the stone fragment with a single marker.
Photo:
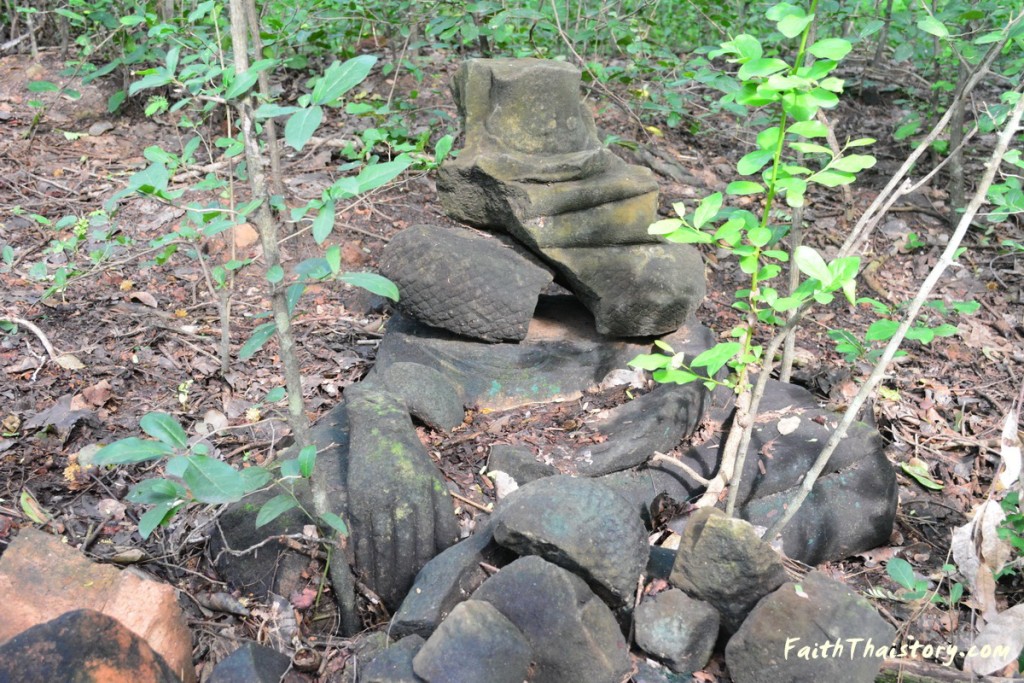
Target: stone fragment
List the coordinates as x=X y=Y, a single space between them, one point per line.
x=429 y=395
x=447 y=580
x=677 y=629
x=532 y=166
x=572 y=633
x=634 y=290
x=475 y=644
x=519 y=463
x=398 y=503
x=41 y=578
x=560 y=357
x=250 y=663
x=394 y=665
x=467 y=283
x=656 y=421
x=275 y=568
x=82 y=646
x=815 y=630
x=723 y=561
x=851 y=507
x=648 y=671
x=580 y=525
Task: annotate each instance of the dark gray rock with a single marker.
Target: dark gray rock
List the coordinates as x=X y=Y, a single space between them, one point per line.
x=649 y=672
x=852 y=506
x=464 y=282
x=656 y=421
x=83 y=646
x=475 y=644
x=251 y=663
x=400 y=508
x=276 y=568
x=724 y=562
x=561 y=356
x=573 y=634
x=817 y=630
x=447 y=580
x=677 y=629
x=519 y=463
x=429 y=395
x=660 y=562
x=666 y=284
x=394 y=665
x=580 y=525
x=532 y=166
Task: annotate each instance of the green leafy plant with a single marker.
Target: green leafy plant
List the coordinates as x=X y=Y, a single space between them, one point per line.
x=193 y=475
x=1012 y=528
x=900 y=571
x=882 y=330
x=793 y=93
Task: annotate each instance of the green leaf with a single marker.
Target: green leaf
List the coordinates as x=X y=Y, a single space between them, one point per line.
x=765 y=66
x=831 y=178
x=921 y=334
x=687 y=235
x=810 y=263
x=831 y=48
x=339 y=78
x=753 y=162
x=131 y=450
x=808 y=129
x=664 y=226
x=768 y=138
x=275 y=274
x=165 y=428
x=834 y=85
x=650 y=361
x=301 y=125
x=149 y=491
x=714 y=358
x=372 y=177
x=293 y=294
x=853 y=163
x=335 y=522
x=42 y=86
x=901 y=572
x=881 y=330
x=861 y=142
x=793 y=25
x=156 y=516
x=707 y=209
x=274 y=395
x=441 y=149
x=269 y=110
x=254 y=478
x=274 y=508
x=743 y=187
x=759 y=236
x=920 y=473
x=810 y=148
x=212 y=481
x=674 y=376
x=156 y=79
x=373 y=283
x=307 y=460
x=256 y=341
x=323 y=224
x=290 y=468
x=933 y=26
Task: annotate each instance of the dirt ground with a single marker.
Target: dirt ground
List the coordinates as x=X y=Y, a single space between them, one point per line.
x=135 y=336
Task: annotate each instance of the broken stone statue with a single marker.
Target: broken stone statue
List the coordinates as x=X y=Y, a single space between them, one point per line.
x=480 y=324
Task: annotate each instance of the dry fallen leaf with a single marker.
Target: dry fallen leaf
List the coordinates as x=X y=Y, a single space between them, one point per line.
x=144 y=298
x=1009 y=451
x=98 y=393
x=1001 y=640
x=69 y=362
x=788 y=425
x=979 y=553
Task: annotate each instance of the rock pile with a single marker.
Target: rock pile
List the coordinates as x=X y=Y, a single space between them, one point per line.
x=547 y=588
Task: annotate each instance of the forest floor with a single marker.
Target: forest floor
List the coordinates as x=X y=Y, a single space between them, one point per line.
x=135 y=336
